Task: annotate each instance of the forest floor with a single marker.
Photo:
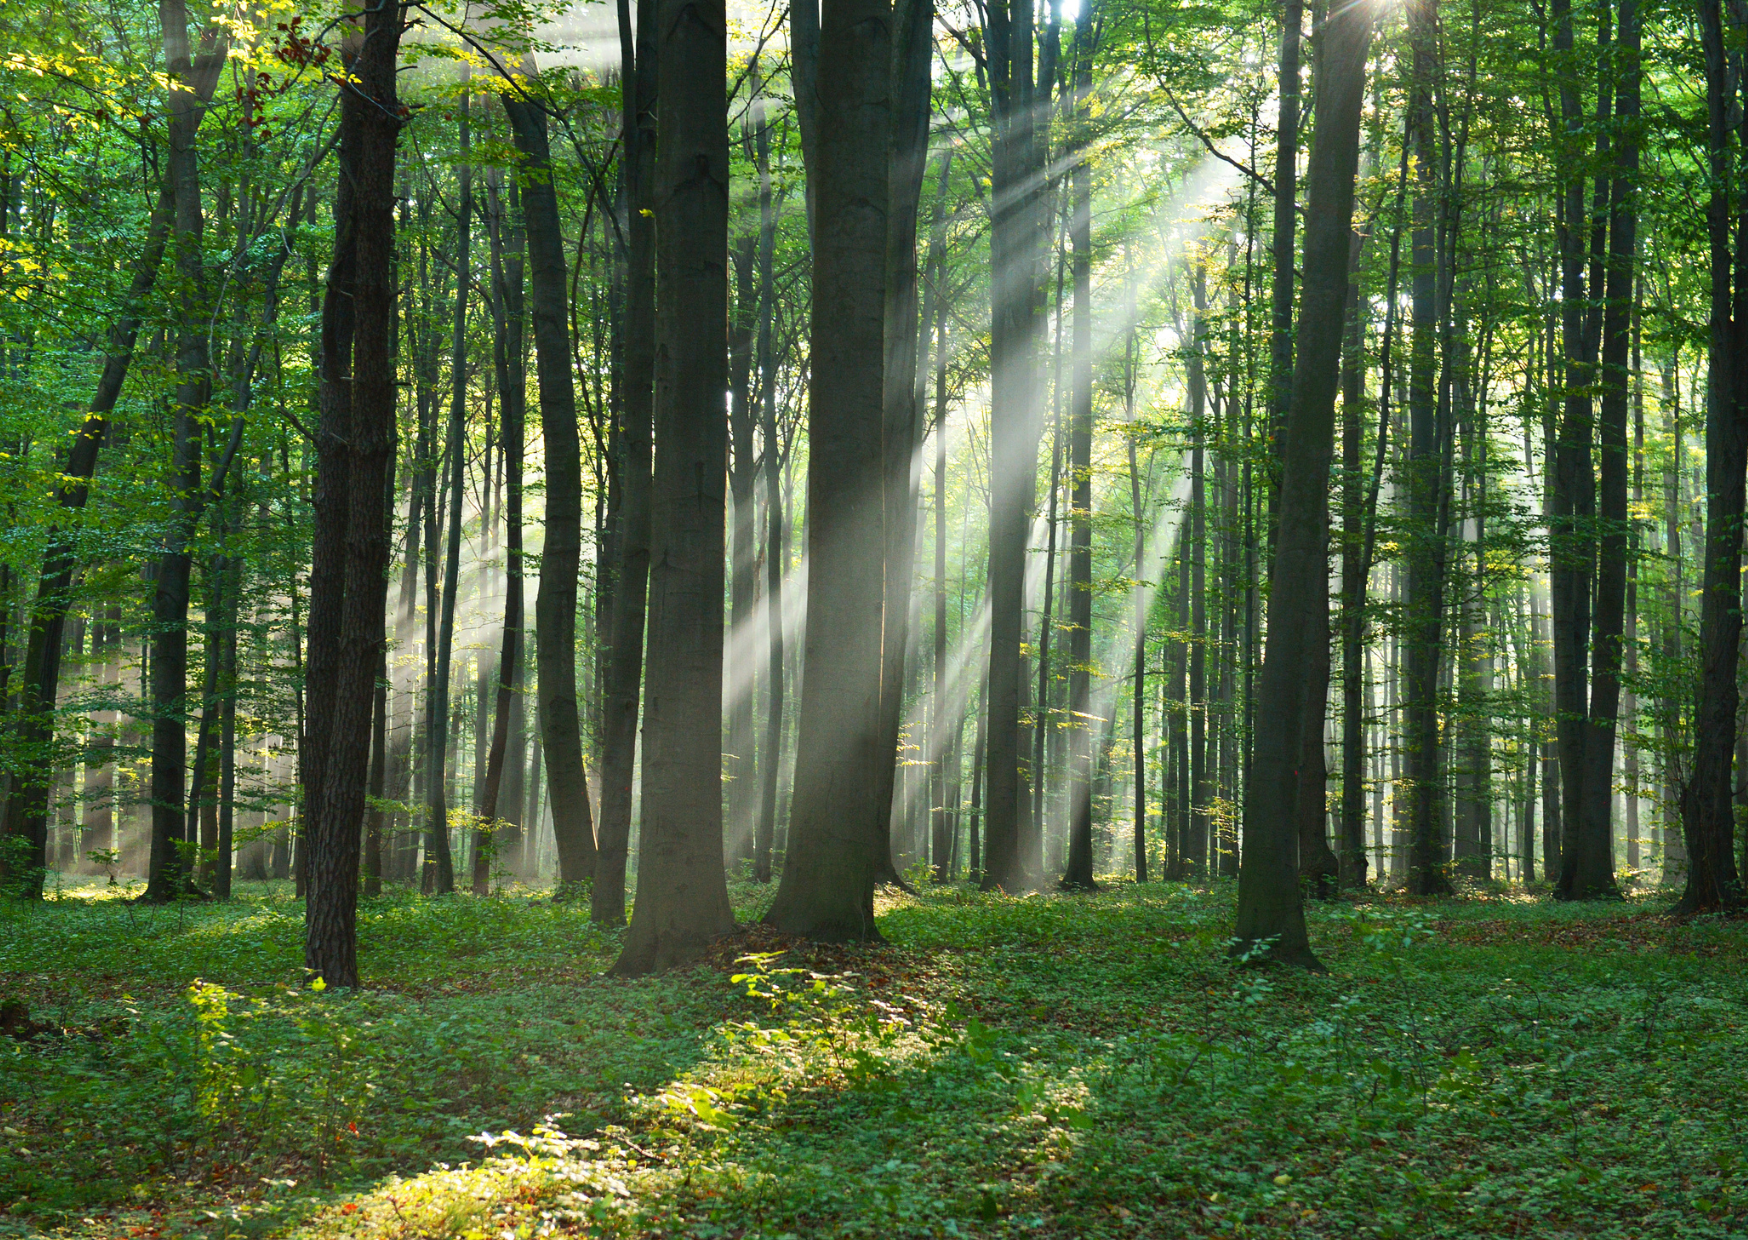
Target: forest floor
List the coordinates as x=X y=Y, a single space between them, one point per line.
x=1056 y=1065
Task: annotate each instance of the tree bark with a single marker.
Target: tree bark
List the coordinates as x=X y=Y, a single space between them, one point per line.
x=682 y=900
x=1271 y=916
x=555 y=606
x=638 y=50
x=836 y=828
x=1707 y=811
x=335 y=822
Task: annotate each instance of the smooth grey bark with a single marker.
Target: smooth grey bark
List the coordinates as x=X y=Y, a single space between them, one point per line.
x=1271 y=915
x=836 y=827
x=772 y=467
x=682 y=899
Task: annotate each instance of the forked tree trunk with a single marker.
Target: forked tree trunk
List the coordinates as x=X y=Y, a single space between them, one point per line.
x=682 y=900
x=1271 y=916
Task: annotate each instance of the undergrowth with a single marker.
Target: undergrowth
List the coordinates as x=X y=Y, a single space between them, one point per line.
x=1052 y=1065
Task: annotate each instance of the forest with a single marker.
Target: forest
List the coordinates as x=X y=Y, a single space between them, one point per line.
x=873 y=618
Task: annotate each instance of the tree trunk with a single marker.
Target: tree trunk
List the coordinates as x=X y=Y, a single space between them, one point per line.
x=555 y=607
x=1078 y=873
x=335 y=822
x=1271 y=917
x=836 y=826
x=1587 y=868
x=507 y=274
x=638 y=50
x=438 y=858
x=1015 y=419
x=906 y=128
x=1428 y=847
x=1708 y=819
x=772 y=462
x=682 y=900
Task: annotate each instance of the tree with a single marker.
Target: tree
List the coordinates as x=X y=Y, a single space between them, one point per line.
x=682 y=900
x=1271 y=917
x=372 y=113
x=555 y=606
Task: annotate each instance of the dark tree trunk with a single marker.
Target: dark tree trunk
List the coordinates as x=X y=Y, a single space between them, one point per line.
x=1016 y=235
x=1271 y=916
x=1587 y=868
x=638 y=51
x=1281 y=245
x=682 y=900
x=740 y=759
x=439 y=863
x=335 y=822
x=1078 y=873
x=374 y=815
x=836 y=827
x=1707 y=811
x=1428 y=847
x=772 y=462
x=555 y=607
x=168 y=875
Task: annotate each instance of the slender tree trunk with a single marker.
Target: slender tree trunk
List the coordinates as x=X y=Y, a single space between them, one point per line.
x=1271 y=918
x=1195 y=853
x=1587 y=869
x=774 y=542
x=907 y=149
x=1079 y=871
x=437 y=849
x=1708 y=821
x=638 y=52
x=555 y=607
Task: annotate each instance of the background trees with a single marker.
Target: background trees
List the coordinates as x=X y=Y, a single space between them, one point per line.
x=1074 y=361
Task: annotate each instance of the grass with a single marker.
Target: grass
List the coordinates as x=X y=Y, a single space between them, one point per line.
x=1049 y=1066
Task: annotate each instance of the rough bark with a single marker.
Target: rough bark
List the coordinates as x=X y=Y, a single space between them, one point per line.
x=335 y=822
x=1271 y=916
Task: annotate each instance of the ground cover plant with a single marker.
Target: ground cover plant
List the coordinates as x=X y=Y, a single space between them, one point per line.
x=1048 y=1065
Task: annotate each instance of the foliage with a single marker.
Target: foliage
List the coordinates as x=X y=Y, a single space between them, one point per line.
x=1058 y=1065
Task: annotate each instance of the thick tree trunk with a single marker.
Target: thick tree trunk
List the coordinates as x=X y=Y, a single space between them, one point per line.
x=836 y=826
x=682 y=900
x=335 y=822
x=638 y=50
x=555 y=607
x=1271 y=916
